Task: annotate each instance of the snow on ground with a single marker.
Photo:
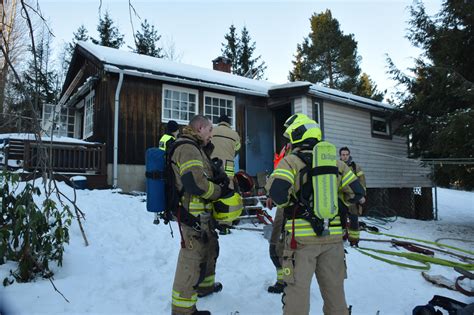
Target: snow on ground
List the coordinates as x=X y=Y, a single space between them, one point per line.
x=128 y=268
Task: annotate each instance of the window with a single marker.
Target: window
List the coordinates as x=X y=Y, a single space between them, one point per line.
x=317 y=112
x=89 y=115
x=179 y=104
x=63 y=122
x=216 y=105
x=380 y=126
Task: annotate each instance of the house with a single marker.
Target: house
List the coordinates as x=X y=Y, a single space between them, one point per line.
x=124 y=100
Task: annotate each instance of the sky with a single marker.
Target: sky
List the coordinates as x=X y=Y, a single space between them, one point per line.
x=197 y=28
x=129 y=265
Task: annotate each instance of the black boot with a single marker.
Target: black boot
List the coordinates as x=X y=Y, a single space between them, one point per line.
x=196 y=312
x=216 y=288
x=278 y=288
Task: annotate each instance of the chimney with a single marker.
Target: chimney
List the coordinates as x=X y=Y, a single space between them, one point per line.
x=222 y=64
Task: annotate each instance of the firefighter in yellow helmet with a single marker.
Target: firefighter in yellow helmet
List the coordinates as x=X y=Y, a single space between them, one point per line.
x=313 y=239
x=277 y=239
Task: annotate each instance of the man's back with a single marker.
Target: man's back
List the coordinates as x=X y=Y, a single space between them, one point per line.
x=226 y=142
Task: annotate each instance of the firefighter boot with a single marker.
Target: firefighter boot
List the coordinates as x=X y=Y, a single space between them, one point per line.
x=277 y=288
x=217 y=287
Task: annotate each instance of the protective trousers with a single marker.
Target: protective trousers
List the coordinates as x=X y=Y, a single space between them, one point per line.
x=195 y=271
x=327 y=262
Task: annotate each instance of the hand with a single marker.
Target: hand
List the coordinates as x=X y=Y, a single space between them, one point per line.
x=362 y=200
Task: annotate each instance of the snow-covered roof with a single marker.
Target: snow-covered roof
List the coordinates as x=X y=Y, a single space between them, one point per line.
x=130 y=63
x=143 y=63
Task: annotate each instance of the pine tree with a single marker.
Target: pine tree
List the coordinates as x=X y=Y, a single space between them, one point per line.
x=240 y=51
x=367 y=88
x=109 y=34
x=146 y=41
x=327 y=56
x=437 y=101
x=230 y=49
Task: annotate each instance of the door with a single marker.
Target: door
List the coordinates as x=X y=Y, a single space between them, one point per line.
x=259 y=140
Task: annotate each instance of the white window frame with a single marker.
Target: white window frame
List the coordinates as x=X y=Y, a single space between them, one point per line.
x=88 y=111
x=180 y=90
x=224 y=97
x=387 y=125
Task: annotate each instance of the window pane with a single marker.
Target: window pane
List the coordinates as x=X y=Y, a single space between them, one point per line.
x=215 y=111
x=379 y=126
x=175 y=105
x=183 y=115
x=175 y=115
x=222 y=102
x=167 y=113
x=192 y=108
x=167 y=94
x=167 y=103
x=207 y=110
x=229 y=112
x=229 y=103
x=184 y=106
x=184 y=96
x=192 y=98
x=175 y=95
x=215 y=101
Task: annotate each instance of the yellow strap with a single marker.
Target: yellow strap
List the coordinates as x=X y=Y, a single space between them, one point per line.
x=348 y=178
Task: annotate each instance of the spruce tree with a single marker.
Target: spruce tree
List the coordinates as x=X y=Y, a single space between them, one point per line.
x=438 y=98
x=240 y=51
x=327 y=56
x=249 y=66
x=80 y=35
x=109 y=34
x=146 y=41
x=230 y=49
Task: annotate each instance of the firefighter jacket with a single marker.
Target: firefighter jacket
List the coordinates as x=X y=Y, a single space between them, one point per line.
x=347 y=195
x=193 y=174
x=165 y=141
x=284 y=186
x=226 y=145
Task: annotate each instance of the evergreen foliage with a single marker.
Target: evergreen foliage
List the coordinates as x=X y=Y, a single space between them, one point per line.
x=438 y=100
x=80 y=35
x=109 y=34
x=30 y=235
x=329 y=57
x=146 y=41
x=240 y=50
x=40 y=83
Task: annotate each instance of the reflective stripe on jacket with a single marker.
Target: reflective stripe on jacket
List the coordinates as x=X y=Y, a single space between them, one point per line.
x=287 y=175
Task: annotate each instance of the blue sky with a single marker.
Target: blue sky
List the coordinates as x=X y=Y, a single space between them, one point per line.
x=197 y=28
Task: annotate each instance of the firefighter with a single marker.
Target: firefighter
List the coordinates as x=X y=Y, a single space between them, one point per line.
x=277 y=239
x=312 y=245
x=195 y=271
x=354 y=210
x=172 y=129
x=226 y=146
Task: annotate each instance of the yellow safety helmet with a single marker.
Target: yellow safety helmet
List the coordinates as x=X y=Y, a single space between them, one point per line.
x=228 y=209
x=303 y=130
x=295 y=118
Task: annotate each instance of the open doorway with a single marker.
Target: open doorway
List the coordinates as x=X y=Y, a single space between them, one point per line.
x=280 y=115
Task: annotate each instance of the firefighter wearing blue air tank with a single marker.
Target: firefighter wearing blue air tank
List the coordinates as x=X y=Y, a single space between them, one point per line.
x=193 y=174
x=304 y=184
